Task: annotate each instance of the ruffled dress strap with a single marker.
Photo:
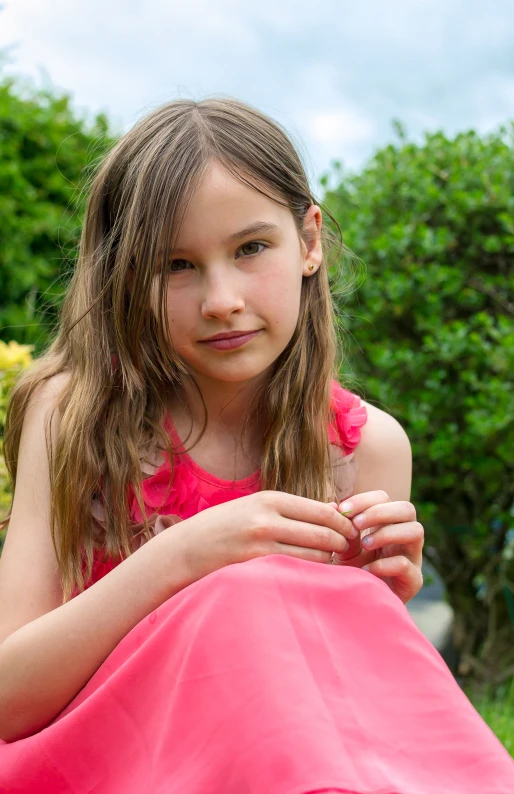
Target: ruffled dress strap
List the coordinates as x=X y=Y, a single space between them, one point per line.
x=349 y=416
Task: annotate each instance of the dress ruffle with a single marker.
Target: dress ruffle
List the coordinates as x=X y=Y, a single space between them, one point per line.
x=350 y=416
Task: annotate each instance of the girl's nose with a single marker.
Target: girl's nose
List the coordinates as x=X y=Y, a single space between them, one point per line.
x=222 y=297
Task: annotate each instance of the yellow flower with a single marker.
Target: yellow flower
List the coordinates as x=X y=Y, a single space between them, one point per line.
x=14 y=355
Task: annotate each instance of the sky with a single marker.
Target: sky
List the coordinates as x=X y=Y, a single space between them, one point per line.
x=334 y=74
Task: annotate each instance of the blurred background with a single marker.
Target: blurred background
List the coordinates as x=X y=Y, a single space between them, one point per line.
x=403 y=114
x=334 y=74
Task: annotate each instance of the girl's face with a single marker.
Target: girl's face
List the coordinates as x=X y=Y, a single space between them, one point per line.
x=216 y=284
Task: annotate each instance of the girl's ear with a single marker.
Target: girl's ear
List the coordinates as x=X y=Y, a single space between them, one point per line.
x=311 y=242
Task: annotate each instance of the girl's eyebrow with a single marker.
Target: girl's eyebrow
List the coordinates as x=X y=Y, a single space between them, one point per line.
x=258 y=226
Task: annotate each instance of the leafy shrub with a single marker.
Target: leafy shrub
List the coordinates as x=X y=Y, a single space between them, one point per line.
x=46 y=156
x=431 y=335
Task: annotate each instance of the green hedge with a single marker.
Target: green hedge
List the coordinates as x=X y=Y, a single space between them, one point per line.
x=46 y=157
x=430 y=334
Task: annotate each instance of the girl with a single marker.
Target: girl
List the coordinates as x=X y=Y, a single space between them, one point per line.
x=165 y=622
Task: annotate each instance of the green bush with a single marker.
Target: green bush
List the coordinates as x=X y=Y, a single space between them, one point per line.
x=46 y=155
x=431 y=335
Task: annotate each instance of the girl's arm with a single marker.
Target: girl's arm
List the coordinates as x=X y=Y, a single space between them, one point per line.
x=45 y=663
x=50 y=650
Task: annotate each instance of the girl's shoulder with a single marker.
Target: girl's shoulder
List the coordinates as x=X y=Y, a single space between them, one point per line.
x=349 y=414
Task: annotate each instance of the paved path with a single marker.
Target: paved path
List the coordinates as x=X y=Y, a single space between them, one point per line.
x=430 y=612
x=433 y=618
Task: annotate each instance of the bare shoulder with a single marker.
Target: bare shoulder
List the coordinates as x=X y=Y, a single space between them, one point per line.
x=384 y=456
x=380 y=425
x=52 y=388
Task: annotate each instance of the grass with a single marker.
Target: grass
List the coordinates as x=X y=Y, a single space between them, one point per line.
x=497 y=709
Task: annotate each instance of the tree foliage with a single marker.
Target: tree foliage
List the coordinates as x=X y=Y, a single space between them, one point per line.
x=431 y=336
x=46 y=155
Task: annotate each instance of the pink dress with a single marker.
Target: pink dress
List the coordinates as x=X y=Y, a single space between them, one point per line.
x=272 y=676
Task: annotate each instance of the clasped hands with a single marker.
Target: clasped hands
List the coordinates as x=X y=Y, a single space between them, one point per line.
x=389 y=542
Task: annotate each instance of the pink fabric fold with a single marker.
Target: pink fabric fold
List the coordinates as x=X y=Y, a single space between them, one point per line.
x=272 y=676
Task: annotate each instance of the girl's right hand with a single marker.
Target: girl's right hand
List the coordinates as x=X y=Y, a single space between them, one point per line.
x=262 y=523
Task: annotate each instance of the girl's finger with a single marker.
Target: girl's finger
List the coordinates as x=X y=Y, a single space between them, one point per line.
x=375 y=507
x=406 y=578
x=410 y=534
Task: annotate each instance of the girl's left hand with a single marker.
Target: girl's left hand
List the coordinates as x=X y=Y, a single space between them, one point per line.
x=395 y=551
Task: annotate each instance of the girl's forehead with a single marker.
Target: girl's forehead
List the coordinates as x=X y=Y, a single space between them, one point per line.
x=227 y=216
x=218 y=182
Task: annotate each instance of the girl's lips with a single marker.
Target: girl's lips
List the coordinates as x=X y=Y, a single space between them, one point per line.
x=228 y=344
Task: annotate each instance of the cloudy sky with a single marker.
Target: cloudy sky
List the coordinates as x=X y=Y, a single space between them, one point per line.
x=334 y=73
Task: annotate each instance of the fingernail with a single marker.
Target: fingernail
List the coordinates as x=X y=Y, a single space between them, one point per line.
x=367 y=541
x=346 y=507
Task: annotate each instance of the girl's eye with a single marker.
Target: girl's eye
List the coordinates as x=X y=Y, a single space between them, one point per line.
x=247 y=256
x=253 y=243
x=174 y=261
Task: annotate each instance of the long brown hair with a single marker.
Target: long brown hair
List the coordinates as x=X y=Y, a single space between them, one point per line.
x=136 y=199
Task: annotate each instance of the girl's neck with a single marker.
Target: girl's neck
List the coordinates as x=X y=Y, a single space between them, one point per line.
x=225 y=402
x=220 y=451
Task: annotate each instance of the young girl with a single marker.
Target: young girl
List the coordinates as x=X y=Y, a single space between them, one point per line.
x=168 y=622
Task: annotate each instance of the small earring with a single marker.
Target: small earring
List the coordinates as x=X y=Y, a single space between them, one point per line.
x=311 y=267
